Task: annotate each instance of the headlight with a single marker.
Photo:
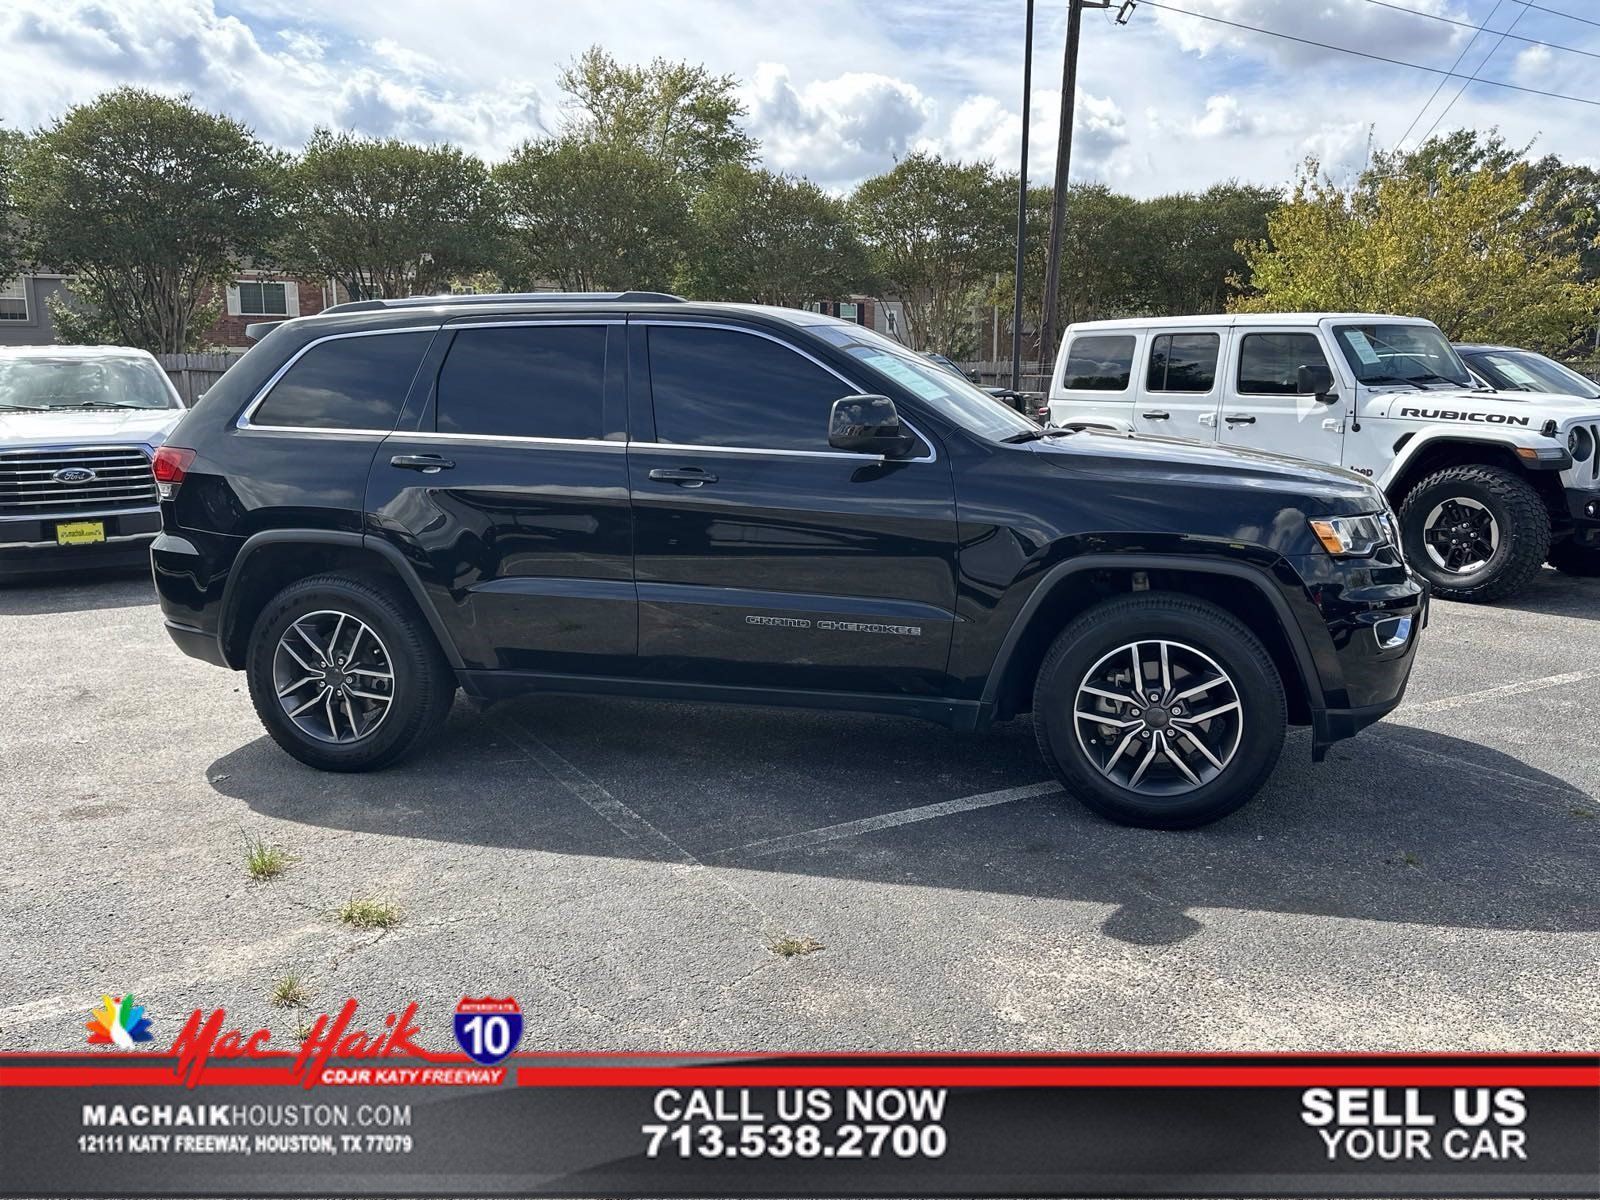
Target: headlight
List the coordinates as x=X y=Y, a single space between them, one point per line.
x=1579 y=444
x=1353 y=536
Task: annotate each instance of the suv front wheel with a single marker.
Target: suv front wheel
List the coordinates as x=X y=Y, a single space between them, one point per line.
x=1475 y=533
x=1159 y=710
x=344 y=674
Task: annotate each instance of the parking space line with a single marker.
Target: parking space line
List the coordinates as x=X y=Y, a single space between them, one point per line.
x=904 y=816
x=1445 y=703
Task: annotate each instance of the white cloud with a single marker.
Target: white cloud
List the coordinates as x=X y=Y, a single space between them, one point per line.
x=1351 y=23
x=836 y=130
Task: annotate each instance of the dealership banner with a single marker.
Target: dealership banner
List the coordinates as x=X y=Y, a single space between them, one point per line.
x=366 y=1112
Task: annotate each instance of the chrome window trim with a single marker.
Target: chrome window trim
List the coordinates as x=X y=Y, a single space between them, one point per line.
x=423 y=435
x=855 y=389
x=244 y=421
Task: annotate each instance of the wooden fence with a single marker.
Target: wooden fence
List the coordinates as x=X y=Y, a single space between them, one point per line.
x=1035 y=376
x=192 y=374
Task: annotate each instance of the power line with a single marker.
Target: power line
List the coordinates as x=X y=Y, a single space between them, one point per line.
x=1393 y=62
x=1446 y=110
x=1484 y=29
x=1428 y=103
x=1569 y=16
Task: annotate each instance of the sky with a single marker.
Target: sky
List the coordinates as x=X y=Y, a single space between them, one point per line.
x=838 y=90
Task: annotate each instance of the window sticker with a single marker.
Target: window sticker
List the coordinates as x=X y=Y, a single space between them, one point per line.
x=903 y=373
x=1363 y=348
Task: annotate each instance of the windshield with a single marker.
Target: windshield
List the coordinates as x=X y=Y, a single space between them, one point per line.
x=1525 y=371
x=947 y=393
x=46 y=384
x=1384 y=353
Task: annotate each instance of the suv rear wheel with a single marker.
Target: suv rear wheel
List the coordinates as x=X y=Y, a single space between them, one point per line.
x=344 y=675
x=1475 y=533
x=1159 y=710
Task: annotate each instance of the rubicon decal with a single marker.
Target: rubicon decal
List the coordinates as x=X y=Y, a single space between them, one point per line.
x=1450 y=414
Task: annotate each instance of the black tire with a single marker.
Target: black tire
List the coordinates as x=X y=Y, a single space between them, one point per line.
x=1572 y=559
x=422 y=686
x=1196 y=625
x=1519 y=513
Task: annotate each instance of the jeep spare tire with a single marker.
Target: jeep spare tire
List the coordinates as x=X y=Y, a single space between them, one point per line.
x=1476 y=533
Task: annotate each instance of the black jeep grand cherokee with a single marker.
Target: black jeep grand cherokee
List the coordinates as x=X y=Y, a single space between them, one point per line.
x=633 y=494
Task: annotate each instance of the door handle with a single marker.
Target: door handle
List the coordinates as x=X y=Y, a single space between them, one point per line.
x=1333 y=426
x=683 y=476
x=428 y=464
x=1156 y=416
x=1237 y=419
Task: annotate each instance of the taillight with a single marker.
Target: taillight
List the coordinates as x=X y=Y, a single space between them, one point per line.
x=169 y=465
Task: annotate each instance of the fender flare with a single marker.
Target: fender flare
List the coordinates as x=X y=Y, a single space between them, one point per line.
x=334 y=537
x=1421 y=439
x=1257 y=578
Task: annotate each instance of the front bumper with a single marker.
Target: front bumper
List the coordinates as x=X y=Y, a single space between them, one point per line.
x=1583 y=506
x=28 y=545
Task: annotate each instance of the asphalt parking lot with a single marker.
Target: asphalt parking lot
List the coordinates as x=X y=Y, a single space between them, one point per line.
x=625 y=869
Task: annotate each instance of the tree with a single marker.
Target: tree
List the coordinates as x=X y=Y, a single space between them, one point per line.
x=387 y=217
x=675 y=112
x=12 y=144
x=935 y=233
x=1462 y=249
x=1186 y=254
x=591 y=215
x=771 y=239
x=153 y=204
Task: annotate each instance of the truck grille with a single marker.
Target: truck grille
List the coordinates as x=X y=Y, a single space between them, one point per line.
x=97 y=479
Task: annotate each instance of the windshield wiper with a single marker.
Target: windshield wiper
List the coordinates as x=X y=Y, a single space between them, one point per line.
x=1442 y=379
x=24 y=408
x=1033 y=435
x=98 y=404
x=1393 y=379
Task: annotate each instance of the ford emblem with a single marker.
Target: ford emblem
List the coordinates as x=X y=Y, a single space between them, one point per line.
x=73 y=475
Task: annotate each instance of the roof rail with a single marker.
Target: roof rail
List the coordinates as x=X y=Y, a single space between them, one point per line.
x=508 y=297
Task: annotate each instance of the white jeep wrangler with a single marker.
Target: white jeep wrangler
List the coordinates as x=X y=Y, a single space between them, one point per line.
x=1488 y=485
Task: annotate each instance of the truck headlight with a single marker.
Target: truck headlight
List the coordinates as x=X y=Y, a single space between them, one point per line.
x=1579 y=444
x=1353 y=536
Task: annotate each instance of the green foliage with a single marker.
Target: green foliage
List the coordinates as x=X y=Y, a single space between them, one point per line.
x=387 y=217
x=771 y=239
x=675 y=112
x=152 y=203
x=12 y=144
x=1464 y=248
x=935 y=232
x=591 y=215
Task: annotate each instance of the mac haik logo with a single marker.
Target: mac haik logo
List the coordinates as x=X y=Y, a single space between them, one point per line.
x=119 y=1022
x=206 y=1036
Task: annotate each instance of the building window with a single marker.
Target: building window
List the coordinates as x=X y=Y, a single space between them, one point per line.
x=263 y=299
x=14 y=300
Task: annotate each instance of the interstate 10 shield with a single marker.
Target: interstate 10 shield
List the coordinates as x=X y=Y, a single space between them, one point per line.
x=488 y=1029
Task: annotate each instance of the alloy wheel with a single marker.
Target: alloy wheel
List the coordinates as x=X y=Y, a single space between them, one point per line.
x=1158 y=718
x=333 y=676
x=1460 y=535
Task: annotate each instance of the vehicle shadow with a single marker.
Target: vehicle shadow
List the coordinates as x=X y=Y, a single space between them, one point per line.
x=1555 y=594
x=1401 y=825
x=76 y=591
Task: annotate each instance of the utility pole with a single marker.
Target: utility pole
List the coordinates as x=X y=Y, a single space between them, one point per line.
x=1058 y=206
x=1022 y=204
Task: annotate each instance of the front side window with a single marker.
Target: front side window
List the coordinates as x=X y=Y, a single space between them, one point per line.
x=1401 y=353
x=1183 y=362
x=544 y=381
x=720 y=387
x=1269 y=363
x=13 y=300
x=1099 y=363
x=263 y=299
x=44 y=384
x=346 y=383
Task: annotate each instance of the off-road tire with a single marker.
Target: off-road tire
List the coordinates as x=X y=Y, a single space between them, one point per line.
x=1191 y=622
x=1518 y=511
x=424 y=685
x=1572 y=559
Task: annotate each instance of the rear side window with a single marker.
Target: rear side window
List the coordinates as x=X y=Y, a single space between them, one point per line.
x=1099 y=363
x=1183 y=362
x=545 y=381
x=346 y=383
x=1269 y=363
x=718 y=387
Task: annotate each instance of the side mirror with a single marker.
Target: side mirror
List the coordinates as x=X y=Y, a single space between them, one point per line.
x=1315 y=379
x=866 y=425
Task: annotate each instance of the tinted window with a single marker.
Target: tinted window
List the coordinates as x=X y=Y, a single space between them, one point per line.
x=1269 y=363
x=1183 y=362
x=1099 y=363
x=524 y=381
x=716 y=387
x=347 y=383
